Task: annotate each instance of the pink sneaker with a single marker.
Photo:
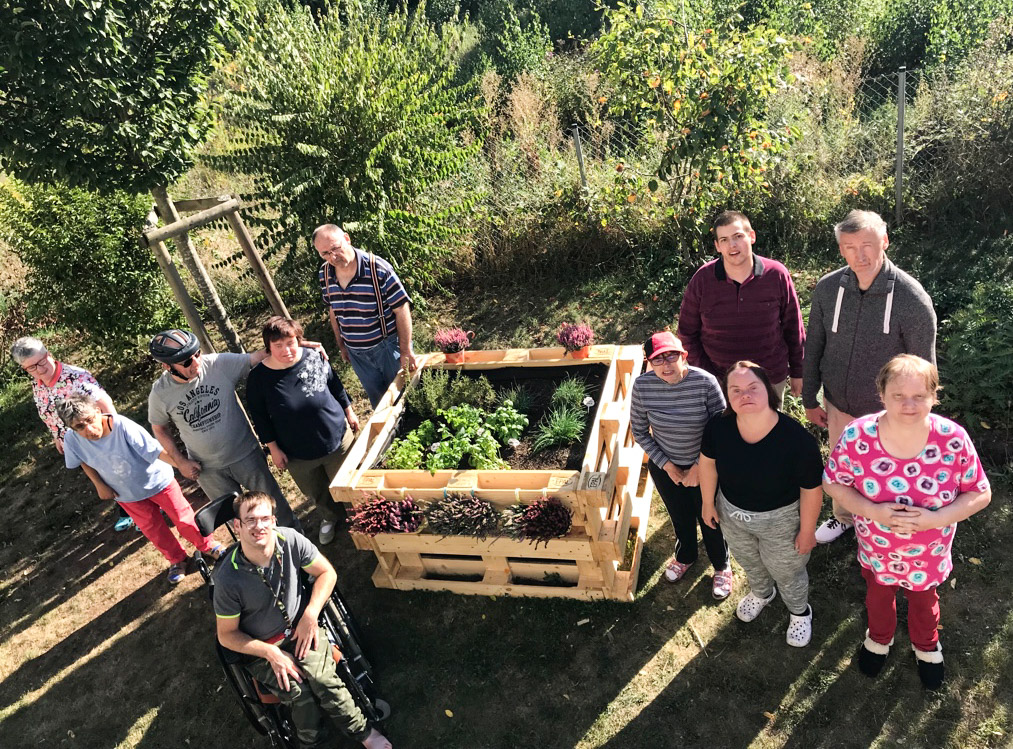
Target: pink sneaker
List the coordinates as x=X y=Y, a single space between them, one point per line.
x=675 y=569
x=722 y=587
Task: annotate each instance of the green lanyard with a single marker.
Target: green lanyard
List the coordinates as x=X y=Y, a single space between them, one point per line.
x=281 y=588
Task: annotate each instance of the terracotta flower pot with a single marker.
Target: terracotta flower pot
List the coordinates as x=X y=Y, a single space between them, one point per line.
x=581 y=353
x=455 y=358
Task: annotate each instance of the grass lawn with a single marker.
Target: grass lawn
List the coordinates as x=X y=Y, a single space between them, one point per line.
x=96 y=650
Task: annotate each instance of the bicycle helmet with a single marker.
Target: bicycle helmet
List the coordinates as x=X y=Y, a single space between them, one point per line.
x=162 y=346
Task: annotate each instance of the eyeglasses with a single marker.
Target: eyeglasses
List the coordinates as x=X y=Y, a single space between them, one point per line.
x=256 y=522
x=33 y=368
x=669 y=357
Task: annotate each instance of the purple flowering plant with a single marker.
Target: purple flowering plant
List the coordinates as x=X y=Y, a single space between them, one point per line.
x=380 y=515
x=452 y=340
x=575 y=336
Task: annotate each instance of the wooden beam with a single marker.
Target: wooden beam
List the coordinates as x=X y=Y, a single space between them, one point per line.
x=178 y=226
x=256 y=263
x=200 y=204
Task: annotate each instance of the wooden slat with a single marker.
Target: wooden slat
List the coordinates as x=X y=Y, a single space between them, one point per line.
x=570 y=547
x=513 y=589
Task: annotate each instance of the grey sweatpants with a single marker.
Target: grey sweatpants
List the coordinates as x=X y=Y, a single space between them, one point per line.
x=763 y=543
x=253 y=474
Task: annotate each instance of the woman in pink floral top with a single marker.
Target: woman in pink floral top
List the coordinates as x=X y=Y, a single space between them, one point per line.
x=52 y=381
x=909 y=476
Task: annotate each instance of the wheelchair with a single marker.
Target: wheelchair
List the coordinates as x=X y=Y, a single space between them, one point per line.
x=263 y=709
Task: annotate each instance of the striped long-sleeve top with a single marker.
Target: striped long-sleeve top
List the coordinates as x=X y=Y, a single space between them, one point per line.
x=668 y=419
x=355 y=305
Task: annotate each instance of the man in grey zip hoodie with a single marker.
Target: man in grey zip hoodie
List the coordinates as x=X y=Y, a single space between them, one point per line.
x=861 y=316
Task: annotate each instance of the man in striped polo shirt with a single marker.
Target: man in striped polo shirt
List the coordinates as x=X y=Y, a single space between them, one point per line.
x=368 y=309
x=743 y=306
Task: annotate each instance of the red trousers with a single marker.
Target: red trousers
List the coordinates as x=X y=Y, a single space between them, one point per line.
x=922 y=613
x=149 y=520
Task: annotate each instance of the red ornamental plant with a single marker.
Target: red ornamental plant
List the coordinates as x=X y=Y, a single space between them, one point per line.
x=380 y=515
x=540 y=521
x=575 y=336
x=452 y=340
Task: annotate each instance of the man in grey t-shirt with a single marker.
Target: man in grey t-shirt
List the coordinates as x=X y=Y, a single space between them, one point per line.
x=197 y=394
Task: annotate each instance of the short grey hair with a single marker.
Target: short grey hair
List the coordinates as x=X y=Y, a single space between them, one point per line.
x=857 y=221
x=75 y=407
x=325 y=229
x=26 y=347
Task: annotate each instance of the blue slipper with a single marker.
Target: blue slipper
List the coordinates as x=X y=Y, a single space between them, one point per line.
x=124 y=524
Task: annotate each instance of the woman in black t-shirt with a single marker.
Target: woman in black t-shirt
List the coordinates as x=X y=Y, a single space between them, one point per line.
x=755 y=462
x=302 y=413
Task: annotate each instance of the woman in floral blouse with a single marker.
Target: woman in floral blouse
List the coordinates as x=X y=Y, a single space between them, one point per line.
x=52 y=381
x=909 y=476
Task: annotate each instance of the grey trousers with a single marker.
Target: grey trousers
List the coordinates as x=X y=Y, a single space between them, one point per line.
x=763 y=543
x=313 y=477
x=253 y=474
x=320 y=690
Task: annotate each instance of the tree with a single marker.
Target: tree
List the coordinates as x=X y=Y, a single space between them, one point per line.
x=109 y=95
x=706 y=94
x=352 y=117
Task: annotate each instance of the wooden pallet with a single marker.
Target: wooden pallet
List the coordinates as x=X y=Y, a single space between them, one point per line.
x=609 y=497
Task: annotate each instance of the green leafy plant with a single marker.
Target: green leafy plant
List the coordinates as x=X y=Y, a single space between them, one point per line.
x=562 y=426
x=520 y=46
x=357 y=116
x=410 y=451
x=84 y=266
x=438 y=387
x=976 y=354
x=519 y=397
x=570 y=393
x=463 y=515
x=506 y=423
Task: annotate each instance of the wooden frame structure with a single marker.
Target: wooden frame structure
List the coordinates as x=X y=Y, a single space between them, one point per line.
x=609 y=497
x=204 y=211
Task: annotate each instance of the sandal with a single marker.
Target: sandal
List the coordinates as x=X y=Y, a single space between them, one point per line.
x=675 y=570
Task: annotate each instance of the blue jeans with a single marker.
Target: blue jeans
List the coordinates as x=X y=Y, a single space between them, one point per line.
x=376 y=367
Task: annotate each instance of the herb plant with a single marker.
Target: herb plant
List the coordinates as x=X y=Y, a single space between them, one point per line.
x=380 y=515
x=570 y=393
x=474 y=391
x=506 y=422
x=574 y=336
x=562 y=426
x=463 y=515
x=519 y=396
x=437 y=387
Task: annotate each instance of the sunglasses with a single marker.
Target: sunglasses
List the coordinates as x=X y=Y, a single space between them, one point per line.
x=186 y=363
x=669 y=357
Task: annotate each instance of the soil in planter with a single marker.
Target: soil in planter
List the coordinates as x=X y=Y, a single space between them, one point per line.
x=540 y=383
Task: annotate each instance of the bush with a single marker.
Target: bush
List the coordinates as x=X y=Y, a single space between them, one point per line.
x=520 y=47
x=437 y=388
x=976 y=356
x=85 y=267
x=354 y=117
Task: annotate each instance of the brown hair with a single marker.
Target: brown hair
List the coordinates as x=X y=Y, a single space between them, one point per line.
x=246 y=499
x=278 y=328
x=908 y=364
x=772 y=400
x=729 y=217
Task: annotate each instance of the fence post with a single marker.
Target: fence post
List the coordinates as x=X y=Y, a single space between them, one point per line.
x=580 y=156
x=899 y=178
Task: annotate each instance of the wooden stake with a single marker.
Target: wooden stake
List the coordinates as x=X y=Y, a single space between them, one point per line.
x=200 y=275
x=256 y=263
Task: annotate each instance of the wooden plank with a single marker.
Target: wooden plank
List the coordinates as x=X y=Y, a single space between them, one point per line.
x=462 y=587
x=449 y=565
x=497 y=570
x=200 y=204
x=183 y=225
x=538 y=571
x=570 y=547
x=256 y=263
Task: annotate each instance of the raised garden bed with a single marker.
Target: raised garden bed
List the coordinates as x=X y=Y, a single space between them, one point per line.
x=602 y=480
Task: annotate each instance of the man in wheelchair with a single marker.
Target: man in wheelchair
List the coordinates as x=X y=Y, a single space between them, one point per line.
x=263 y=612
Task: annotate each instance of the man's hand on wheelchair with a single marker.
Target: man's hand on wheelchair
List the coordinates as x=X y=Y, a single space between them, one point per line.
x=305 y=635
x=285 y=667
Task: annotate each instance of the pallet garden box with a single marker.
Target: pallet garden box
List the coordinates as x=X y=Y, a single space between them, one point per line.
x=609 y=495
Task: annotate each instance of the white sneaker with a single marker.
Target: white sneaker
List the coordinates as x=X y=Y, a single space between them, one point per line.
x=800 y=628
x=831 y=530
x=327 y=532
x=750 y=606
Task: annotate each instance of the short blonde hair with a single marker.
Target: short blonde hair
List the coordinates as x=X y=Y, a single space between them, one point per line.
x=904 y=365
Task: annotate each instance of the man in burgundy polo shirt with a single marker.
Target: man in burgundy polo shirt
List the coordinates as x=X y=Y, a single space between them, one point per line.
x=743 y=306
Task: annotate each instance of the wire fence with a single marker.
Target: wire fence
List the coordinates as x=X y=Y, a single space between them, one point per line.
x=888 y=136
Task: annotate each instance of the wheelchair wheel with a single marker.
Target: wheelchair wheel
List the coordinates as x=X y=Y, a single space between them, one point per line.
x=267 y=720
